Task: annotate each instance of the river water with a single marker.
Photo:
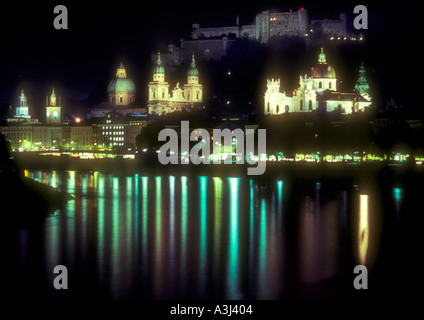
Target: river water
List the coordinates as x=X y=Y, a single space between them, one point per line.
x=188 y=237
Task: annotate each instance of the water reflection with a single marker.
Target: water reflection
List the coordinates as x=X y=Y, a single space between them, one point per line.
x=179 y=237
x=363 y=230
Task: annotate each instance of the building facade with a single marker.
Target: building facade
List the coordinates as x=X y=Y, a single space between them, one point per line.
x=162 y=101
x=317 y=92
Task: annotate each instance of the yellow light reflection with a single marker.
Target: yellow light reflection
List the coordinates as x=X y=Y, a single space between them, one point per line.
x=363 y=229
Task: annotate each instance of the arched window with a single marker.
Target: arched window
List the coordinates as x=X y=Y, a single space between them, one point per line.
x=120 y=99
x=267 y=107
x=278 y=109
x=287 y=108
x=329 y=85
x=301 y=105
x=310 y=105
x=320 y=85
x=339 y=108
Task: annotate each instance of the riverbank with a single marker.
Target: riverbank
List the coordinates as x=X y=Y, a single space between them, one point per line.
x=274 y=170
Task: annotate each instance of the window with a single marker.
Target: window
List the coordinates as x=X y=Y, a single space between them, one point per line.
x=278 y=108
x=310 y=105
x=267 y=109
x=329 y=85
x=287 y=108
x=301 y=105
x=120 y=99
x=320 y=85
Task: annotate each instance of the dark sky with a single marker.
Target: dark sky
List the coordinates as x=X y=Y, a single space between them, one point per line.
x=36 y=57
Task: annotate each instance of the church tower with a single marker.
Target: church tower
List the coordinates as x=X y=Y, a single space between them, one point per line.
x=22 y=108
x=158 y=88
x=193 y=91
x=362 y=86
x=53 y=110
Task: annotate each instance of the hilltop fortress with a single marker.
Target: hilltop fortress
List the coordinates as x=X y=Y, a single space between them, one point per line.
x=212 y=43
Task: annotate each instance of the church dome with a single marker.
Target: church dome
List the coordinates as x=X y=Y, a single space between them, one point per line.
x=322 y=69
x=121 y=83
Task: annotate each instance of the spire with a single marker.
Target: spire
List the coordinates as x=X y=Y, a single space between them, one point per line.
x=321 y=58
x=192 y=71
x=158 y=69
x=22 y=99
x=53 y=98
x=362 y=86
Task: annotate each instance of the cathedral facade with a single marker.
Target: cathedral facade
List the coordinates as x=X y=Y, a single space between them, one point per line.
x=317 y=92
x=162 y=101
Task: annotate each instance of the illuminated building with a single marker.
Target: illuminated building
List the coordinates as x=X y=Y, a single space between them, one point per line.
x=161 y=101
x=22 y=108
x=317 y=91
x=121 y=90
x=362 y=86
x=53 y=110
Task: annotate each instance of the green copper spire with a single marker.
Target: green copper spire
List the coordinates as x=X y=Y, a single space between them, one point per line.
x=193 y=72
x=362 y=86
x=53 y=94
x=321 y=58
x=158 y=69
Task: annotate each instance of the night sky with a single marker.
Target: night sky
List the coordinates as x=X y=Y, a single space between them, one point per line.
x=36 y=57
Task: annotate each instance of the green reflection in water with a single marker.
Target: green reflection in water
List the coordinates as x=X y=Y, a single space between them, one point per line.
x=101 y=225
x=397 y=193
x=129 y=214
x=172 y=241
x=262 y=248
x=184 y=208
x=218 y=223
x=115 y=233
x=144 y=204
x=203 y=230
x=280 y=185
x=158 y=213
x=71 y=182
x=136 y=211
x=172 y=213
x=252 y=227
x=158 y=277
x=54 y=179
x=233 y=252
x=70 y=217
